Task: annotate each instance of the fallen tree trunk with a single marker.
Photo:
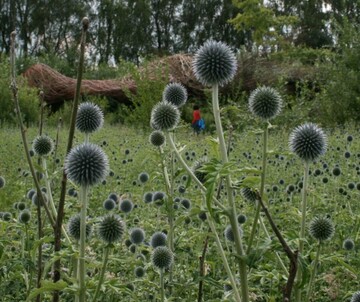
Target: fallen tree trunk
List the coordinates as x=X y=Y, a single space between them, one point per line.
x=252 y=72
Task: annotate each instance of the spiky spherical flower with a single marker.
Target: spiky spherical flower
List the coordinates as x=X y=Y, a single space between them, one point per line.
x=86 y=165
x=321 y=228
x=157 y=138
x=148 y=197
x=109 y=204
x=113 y=196
x=265 y=103
x=2 y=182
x=111 y=228
x=74 y=227
x=248 y=194
x=42 y=145
x=175 y=94
x=241 y=218
x=356 y=297
x=30 y=193
x=198 y=165
x=89 y=118
x=214 y=63
x=25 y=216
x=158 y=197
x=186 y=203
x=6 y=216
x=139 y=272
x=348 y=244
x=36 y=199
x=165 y=116
x=137 y=235
x=229 y=234
x=126 y=205
x=308 y=141
x=143 y=177
x=158 y=239
x=21 y=206
x=162 y=257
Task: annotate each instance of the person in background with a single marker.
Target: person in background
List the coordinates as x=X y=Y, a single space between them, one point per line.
x=197 y=122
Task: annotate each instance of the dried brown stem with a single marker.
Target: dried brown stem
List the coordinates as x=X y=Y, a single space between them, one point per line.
x=293 y=256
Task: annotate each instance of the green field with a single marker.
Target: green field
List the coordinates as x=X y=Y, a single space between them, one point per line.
x=130 y=154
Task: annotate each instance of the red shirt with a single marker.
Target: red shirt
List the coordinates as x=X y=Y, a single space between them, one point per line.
x=196 y=116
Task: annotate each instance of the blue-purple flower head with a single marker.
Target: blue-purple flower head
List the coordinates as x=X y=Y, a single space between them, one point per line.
x=111 y=229
x=89 y=118
x=164 y=116
x=86 y=165
x=308 y=141
x=321 y=228
x=175 y=94
x=43 y=145
x=265 y=103
x=157 y=138
x=356 y=297
x=214 y=64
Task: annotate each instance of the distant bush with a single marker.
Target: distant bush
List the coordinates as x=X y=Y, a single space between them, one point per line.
x=28 y=97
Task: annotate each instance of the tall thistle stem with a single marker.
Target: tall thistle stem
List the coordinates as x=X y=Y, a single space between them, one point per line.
x=302 y=228
x=102 y=274
x=60 y=216
x=14 y=90
x=82 y=270
x=232 y=211
x=189 y=171
x=313 y=273
x=169 y=204
x=210 y=219
x=262 y=186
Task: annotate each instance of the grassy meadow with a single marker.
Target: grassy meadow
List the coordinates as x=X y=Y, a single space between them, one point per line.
x=130 y=153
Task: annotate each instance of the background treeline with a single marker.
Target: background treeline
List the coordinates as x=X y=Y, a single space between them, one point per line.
x=310 y=48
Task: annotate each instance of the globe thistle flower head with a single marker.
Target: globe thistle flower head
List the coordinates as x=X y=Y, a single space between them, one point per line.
x=113 y=196
x=214 y=63
x=308 y=141
x=42 y=145
x=86 y=165
x=21 y=206
x=139 y=272
x=175 y=94
x=109 y=204
x=158 y=239
x=241 y=218
x=148 y=197
x=89 y=118
x=356 y=297
x=111 y=228
x=348 y=244
x=137 y=235
x=248 y=194
x=186 y=203
x=126 y=205
x=165 y=116
x=36 y=199
x=162 y=257
x=6 y=216
x=229 y=234
x=265 y=103
x=157 y=138
x=25 y=216
x=74 y=227
x=321 y=228
x=30 y=193
x=159 y=197
x=143 y=177
x=196 y=168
